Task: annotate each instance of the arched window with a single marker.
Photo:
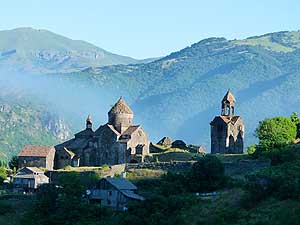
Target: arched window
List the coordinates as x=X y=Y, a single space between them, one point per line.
x=231 y=145
x=227 y=110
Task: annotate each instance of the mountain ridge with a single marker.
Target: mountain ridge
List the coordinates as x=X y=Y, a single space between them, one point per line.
x=38 y=50
x=178 y=95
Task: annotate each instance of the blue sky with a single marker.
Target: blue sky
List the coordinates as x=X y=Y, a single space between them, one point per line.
x=141 y=28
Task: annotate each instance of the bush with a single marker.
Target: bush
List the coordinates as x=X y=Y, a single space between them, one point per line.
x=13 y=163
x=281 y=181
x=3 y=174
x=251 y=149
x=207 y=174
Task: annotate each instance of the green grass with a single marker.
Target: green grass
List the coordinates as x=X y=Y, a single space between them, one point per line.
x=138 y=174
x=265 y=42
x=175 y=155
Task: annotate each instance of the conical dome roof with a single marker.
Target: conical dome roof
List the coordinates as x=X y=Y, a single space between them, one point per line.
x=120 y=107
x=89 y=119
x=229 y=97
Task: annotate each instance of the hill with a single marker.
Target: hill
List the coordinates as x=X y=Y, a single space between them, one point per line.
x=21 y=123
x=177 y=95
x=41 y=51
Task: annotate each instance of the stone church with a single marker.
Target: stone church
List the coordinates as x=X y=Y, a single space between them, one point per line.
x=116 y=142
x=227 y=130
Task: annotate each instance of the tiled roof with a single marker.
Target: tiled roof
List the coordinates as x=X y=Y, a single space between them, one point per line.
x=121 y=107
x=35 y=150
x=121 y=183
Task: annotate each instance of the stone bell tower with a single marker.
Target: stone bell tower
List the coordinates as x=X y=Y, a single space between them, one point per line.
x=227 y=130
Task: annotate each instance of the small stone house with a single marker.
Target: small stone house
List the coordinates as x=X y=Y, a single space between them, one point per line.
x=28 y=179
x=165 y=141
x=37 y=156
x=179 y=144
x=115 y=193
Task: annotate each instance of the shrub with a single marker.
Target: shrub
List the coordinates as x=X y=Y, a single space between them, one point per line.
x=251 y=149
x=207 y=174
x=13 y=163
x=3 y=174
x=281 y=181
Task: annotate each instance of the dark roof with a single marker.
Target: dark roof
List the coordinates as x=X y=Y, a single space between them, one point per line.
x=178 y=142
x=85 y=133
x=226 y=119
x=121 y=183
x=72 y=154
x=121 y=107
x=31 y=169
x=37 y=151
x=165 y=141
x=132 y=195
x=113 y=129
x=229 y=97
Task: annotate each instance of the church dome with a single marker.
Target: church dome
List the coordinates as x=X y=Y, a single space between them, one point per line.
x=120 y=108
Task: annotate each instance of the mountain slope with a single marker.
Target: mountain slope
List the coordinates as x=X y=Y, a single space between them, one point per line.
x=30 y=50
x=178 y=95
x=21 y=123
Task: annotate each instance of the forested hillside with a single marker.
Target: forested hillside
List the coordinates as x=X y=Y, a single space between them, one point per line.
x=177 y=95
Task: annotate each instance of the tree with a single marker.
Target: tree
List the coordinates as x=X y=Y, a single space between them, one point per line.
x=13 y=163
x=3 y=174
x=275 y=132
x=207 y=174
x=296 y=120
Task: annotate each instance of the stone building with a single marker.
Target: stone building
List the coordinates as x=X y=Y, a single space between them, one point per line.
x=115 y=193
x=116 y=142
x=36 y=156
x=227 y=130
x=29 y=179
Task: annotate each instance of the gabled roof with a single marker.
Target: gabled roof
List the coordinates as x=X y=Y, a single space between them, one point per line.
x=130 y=130
x=36 y=151
x=72 y=154
x=113 y=129
x=30 y=173
x=120 y=107
x=229 y=97
x=132 y=195
x=31 y=169
x=120 y=183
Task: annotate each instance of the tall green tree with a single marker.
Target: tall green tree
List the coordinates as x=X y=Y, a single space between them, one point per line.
x=296 y=120
x=13 y=163
x=275 y=132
